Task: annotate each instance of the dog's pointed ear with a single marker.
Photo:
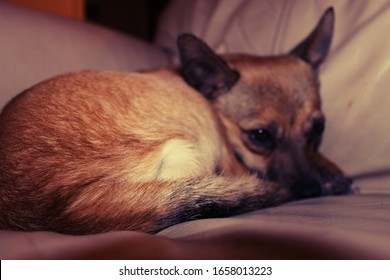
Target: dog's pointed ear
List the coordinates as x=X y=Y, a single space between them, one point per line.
x=203 y=69
x=315 y=47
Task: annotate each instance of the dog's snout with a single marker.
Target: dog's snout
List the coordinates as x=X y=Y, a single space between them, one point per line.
x=306 y=188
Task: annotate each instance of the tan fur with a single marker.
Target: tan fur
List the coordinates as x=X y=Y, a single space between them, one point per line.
x=287 y=99
x=85 y=134
x=93 y=151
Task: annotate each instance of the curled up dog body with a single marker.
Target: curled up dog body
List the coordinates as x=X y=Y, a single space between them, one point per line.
x=218 y=135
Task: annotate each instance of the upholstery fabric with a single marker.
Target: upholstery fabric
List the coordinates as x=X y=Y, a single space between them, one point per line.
x=35 y=46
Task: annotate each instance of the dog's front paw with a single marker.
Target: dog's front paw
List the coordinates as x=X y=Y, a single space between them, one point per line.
x=338 y=185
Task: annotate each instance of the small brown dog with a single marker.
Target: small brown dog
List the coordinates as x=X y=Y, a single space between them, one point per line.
x=93 y=152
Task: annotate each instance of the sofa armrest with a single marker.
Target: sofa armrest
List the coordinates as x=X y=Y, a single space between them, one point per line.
x=35 y=46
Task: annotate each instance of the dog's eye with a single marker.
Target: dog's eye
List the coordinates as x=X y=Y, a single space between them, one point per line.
x=316 y=131
x=318 y=127
x=262 y=138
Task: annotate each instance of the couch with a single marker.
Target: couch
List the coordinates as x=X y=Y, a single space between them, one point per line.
x=355 y=82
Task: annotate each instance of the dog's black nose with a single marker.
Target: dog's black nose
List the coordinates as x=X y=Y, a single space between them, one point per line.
x=306 y=188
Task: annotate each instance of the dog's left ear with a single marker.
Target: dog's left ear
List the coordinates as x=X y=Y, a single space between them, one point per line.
x=203 y=69
x=315 y=47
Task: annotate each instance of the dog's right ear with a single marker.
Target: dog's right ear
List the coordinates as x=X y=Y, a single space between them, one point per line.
x=315 y=47
x=203 y=69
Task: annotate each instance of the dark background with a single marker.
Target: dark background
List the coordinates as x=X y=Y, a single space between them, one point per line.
x=135 y=17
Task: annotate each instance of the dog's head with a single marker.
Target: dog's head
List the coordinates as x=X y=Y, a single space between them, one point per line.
x=271 y=108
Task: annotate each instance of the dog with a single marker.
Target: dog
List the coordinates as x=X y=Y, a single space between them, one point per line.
x=219 y=135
